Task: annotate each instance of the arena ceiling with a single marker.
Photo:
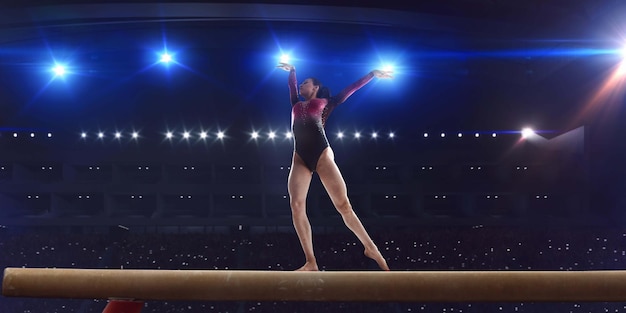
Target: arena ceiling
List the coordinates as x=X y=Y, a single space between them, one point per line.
x=464 y=25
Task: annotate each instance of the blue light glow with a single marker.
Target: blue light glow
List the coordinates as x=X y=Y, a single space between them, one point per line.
x=59 y=70
x=166 y=58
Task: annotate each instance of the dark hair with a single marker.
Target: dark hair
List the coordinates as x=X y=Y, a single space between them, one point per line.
x=323 y=92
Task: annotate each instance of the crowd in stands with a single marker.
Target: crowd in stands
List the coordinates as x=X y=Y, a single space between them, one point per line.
x=406 y=249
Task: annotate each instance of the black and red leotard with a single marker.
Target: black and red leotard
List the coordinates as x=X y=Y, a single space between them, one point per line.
x=308 y=119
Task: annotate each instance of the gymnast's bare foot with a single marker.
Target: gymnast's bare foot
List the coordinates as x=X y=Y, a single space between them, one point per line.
x=309 y=267
x=375 y=255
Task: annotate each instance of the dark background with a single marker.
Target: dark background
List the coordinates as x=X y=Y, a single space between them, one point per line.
x=444 y=203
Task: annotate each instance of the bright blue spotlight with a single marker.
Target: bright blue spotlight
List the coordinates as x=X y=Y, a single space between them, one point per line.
x=387 y=67
x=166 y=58
x=284 y=58
x=59 y=70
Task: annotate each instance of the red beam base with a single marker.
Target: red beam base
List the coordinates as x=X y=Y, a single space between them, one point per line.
x=123 y=306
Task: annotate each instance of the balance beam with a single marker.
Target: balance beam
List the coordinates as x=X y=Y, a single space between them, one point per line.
x=242 y=285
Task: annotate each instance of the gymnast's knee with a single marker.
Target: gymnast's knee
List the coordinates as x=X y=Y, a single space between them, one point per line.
x=344 y=207
x=298 y=207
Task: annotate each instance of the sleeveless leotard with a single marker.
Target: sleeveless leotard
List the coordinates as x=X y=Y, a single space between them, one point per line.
x=308 y=119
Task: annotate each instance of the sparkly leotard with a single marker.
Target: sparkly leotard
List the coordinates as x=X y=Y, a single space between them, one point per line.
x=308 y=119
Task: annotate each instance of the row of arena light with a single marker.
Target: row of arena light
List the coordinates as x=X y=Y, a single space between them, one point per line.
x=222 y=135
x=59 y=70
x=168 y=135
x=32 y=135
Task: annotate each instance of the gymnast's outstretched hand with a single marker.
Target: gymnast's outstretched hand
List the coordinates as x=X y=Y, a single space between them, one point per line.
x=382 y=74
x=285 y=66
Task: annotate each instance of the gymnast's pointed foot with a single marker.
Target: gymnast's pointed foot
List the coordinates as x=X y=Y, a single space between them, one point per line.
x=375 y=255
x=309 y=267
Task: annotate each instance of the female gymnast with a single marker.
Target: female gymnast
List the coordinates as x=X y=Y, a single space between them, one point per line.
x=312 y=153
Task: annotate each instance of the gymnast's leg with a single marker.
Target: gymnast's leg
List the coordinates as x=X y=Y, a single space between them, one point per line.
x=336 y=187
x=298 y=187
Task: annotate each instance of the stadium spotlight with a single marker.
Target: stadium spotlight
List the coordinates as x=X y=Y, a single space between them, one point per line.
x=58 y=70
x=388 y=68
x=165 y=58
x=527 y=132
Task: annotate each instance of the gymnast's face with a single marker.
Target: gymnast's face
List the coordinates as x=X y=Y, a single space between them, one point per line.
x=307 y=89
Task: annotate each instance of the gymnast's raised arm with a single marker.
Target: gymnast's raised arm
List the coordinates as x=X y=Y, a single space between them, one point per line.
x=292 y=81
x=348 y=91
